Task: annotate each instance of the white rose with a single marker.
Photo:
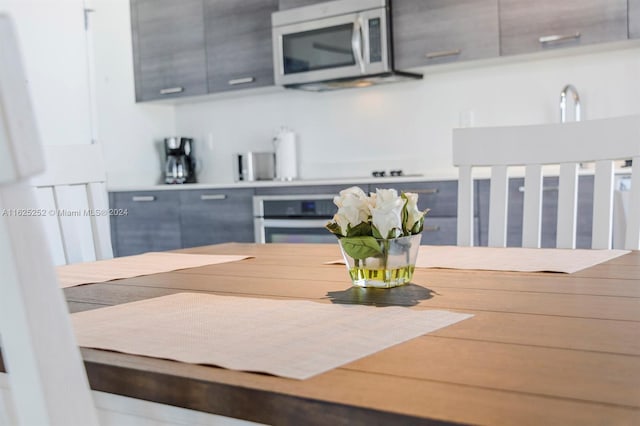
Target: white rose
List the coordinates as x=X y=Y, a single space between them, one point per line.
x=352 y=192
x=413 y=213
x=353 y=208
x=387 y=212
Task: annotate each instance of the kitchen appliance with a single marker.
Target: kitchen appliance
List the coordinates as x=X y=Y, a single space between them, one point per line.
x=252 y=166
x=180 y=162
x=334 y=45
x=293 y=218
x=286 y=155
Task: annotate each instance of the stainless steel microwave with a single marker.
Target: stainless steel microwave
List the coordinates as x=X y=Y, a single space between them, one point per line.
x=335 y=44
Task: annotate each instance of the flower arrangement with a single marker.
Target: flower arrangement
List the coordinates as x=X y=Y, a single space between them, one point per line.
x=361 y=220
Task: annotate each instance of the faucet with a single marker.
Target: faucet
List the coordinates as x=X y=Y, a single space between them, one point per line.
x=563 y=102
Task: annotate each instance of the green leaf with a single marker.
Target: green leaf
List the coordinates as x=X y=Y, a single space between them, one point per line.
x=375 y=232
x=334 y=228
x=361 y=247
x=362 y=229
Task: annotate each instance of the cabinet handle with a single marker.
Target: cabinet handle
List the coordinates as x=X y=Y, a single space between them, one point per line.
x=209 y=197
x=443 y=53
x=424 y=191
x=559 y=37
x=545 y=188
x=143 y=198
x=237 y=81
x=171 y=90
x=432 y=228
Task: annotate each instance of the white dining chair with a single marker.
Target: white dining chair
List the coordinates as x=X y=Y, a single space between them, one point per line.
x=72 y=200
x=46 y=375
x=566 y=145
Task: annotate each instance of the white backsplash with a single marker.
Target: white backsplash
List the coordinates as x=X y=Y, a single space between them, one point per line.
x=408 y=125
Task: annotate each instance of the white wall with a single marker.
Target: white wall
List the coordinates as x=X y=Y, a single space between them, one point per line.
x=54 y=50
x=129 y=132
x=408 y=125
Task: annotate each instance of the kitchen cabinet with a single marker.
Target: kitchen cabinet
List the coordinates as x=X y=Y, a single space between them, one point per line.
x=548 y=24
x=429 y=32
x=216 y=216
x=238 y=44
x=549 y=212
x=168 y=48
x=441 y=197
x=173 y=219
x=151 y=222
x=634 y=18
x=290 y=4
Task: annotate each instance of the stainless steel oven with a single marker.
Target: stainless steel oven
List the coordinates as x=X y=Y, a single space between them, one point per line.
x=293 y=218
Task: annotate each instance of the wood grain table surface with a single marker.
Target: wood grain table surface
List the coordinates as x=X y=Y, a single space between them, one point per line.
x=542 y=348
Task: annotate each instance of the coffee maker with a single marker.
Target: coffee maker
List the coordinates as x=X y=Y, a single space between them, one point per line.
x=179 y=164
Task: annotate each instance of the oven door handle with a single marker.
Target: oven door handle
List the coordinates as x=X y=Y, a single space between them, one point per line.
x=294 y=223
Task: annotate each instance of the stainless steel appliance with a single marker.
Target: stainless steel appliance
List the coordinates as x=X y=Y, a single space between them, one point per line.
x=334 y=45
x=180 y=162
x=293 y=218
x=251 y=166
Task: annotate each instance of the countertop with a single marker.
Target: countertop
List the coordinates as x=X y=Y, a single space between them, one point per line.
x=441 y=175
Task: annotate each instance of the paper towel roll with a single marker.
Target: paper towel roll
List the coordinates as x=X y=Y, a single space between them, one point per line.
x=286 y=156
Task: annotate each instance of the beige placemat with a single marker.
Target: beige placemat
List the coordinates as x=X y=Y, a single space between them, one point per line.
x=510 y=258
x=288 y=338
x=513 y=258
x=135 y=266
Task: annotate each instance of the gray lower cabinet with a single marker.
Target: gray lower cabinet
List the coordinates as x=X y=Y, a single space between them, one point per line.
x=174 y=219
x=216 y=216
x=168 y=48
x=441 y=197
x=549 y=212
x=634 y=18
x=151 y=222
x=532 y=26
x=238 y=43
x=427 y=32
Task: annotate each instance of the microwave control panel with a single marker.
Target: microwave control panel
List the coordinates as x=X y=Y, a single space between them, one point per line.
x=375 y=41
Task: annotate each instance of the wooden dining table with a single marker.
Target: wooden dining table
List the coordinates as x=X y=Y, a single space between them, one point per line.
x=541 y=348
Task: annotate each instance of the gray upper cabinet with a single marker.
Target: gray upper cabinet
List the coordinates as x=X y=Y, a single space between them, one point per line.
x=168 y=48
x=438 y=31
x=634 y=18
x=290 y=4
x=531 y=26
x=238 y=43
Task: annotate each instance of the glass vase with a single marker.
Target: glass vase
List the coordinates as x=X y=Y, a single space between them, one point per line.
x=392 y=266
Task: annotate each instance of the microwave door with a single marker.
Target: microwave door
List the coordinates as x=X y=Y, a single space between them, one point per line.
x=325 y=49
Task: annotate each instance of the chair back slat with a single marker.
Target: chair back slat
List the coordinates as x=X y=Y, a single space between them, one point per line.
x=532 y=214
x=47 y=203
x=465 y=207
x=498 y=199
x=567 y=145
x=567 y=206
x=75 y=174
x=632 y=237
x=602 y=230
x=99 y=205
x=75 y=222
